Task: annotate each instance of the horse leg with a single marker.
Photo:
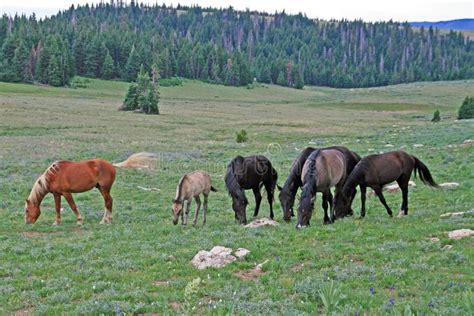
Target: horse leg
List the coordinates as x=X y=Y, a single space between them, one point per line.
x=270 y=190
x=57 y=204
x=351 y=211
x=258 y=200
x=363 y=192
x=403 y=184
x=70 y=201
x=325 y=207
x=108 y=201
x=330 y=200
x=204 y=211
x=379 y=193
x=185 y=213
x=198 y=206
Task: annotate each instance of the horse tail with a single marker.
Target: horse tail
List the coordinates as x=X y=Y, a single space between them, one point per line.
x=424 y=173
x=141 y=160
x=231 y=183
x=213 y=189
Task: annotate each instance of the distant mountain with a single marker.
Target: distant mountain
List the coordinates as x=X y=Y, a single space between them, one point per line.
x=461 y=24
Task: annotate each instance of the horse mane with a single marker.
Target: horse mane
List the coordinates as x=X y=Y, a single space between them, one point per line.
x=354 y=177
x=231 y=182
x=180 y=189
x=41 y=186
x=309 y=188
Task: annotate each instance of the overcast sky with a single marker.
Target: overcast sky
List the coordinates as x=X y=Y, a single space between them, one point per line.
x=369 y=10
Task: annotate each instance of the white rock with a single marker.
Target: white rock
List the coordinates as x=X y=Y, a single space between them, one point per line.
x=460 y=233
x=469 y=142
x=218 y=257
x=389 y=145
x=241 y=252
x=418 y=145
x=449 y=185
x=262 y=222
x=456 y=214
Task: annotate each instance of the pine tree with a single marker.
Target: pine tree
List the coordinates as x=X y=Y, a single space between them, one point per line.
x=108 y=66
x=142 y=95
x=133 y=65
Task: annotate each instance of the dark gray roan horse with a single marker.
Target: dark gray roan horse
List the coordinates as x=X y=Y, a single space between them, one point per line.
x=245 y=173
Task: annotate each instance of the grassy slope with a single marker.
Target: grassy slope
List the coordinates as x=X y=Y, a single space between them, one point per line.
x=115 y=268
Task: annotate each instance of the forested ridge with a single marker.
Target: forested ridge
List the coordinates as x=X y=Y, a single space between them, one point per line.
x=111 y=41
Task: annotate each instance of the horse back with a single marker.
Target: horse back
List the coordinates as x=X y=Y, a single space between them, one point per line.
x=388 y=167
x=331 y=167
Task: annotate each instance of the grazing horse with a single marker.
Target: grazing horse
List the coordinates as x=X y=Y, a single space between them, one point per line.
x=63 y=178
x=294 y=182
x=323 y=169
x=375 y=171
x=190 y=186
x=245 y=173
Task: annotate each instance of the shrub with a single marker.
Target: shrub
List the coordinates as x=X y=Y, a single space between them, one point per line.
x=436 y=117
x=466 y=111
x=78 y=82
x=171 y=82
x=241 y=137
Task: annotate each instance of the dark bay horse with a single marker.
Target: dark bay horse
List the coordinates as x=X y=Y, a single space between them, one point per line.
x=324 y=168
x=375 y=171
x=293 y=182
x=63 y=178
x=245 y=173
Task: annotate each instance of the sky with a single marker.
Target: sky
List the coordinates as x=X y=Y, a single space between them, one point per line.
x=368 y=10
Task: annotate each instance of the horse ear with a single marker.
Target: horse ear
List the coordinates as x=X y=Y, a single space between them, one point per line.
x=279 y=187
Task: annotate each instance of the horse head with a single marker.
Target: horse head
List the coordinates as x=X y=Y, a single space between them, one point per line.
x=32 y=212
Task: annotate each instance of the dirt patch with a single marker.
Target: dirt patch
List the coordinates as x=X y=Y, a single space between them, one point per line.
x=251 y=274
x=23 y=311
x=37 y=234
x=176 y=306
x=297 y=267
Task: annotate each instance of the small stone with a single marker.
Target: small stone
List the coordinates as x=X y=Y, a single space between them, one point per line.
x=447 y=247
x=262 y=222
x=460 y=233
x=418 y=145
x=449 y=185
x=469 y=142
x=241 y=253
x=434 y=239
x=389 y=145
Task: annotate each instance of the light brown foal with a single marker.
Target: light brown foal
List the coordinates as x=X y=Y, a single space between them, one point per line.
x=190 y=186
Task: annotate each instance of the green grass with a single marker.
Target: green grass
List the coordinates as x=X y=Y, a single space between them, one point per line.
x=140 y=263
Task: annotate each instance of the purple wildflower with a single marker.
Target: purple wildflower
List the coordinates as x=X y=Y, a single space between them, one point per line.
x=372 y=291
x=431 y=304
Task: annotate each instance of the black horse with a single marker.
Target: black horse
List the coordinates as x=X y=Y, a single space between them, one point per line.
x=293 y=182
x=375 y=171
x=245 y=173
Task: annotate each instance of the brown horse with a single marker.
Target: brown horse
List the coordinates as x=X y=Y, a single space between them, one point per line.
x=63 y=178
x=190 y=186
x=324 y=168
x=294 y=182
x=375 y=171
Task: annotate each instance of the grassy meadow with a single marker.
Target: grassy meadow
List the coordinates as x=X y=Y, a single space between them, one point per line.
x=141 y=262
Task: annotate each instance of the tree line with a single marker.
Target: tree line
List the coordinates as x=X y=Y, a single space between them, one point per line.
x=112 y=40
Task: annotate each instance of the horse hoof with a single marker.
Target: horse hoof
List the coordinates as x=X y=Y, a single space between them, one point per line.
x=55 y=224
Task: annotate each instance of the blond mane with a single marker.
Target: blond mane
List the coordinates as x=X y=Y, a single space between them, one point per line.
x=41 y=186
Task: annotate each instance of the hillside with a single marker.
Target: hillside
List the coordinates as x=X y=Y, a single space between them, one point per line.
x=459 y=25
x=225 y=46
x=140 y=264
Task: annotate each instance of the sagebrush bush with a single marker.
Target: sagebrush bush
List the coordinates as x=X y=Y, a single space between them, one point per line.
x=241 y=137
x=466 y=111
x=436 y=117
